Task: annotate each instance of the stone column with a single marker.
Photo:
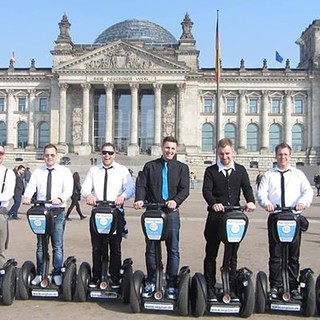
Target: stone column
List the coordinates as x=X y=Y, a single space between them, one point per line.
x=133 y=148
x=31 y=123
x=109 y=112
x=241 y=123
x=63 y=115
x=85 y=113
x=287 y=117
x=156 y=148
x=10 y=124
x=181 y=88
x=264 y=123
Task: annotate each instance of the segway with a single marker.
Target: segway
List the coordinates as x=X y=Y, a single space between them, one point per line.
x=104 y=222
x=234 y=224
x=287 y=227
x=154 y=225
x=8 y=282
x=41 y=220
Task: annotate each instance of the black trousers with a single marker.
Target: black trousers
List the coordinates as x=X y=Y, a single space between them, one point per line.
x=211 y=234
x=100 y=250
x=275 y=260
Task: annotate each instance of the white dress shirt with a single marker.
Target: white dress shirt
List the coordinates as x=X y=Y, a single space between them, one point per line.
x=10 y=183
x=61 y=187
x=297 y=188
x=120 y=182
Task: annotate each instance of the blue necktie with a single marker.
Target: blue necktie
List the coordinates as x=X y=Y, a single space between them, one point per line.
x=165 y=192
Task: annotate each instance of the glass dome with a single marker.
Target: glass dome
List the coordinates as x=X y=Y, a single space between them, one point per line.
x=137 y=30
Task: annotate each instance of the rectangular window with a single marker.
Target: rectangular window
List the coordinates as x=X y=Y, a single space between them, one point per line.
x=231 y=106
x=43 y=105
x=207 y=108
x=22 y=105
x=275 y=106
x=2 y=105
x=253 y=106
x=298 y=106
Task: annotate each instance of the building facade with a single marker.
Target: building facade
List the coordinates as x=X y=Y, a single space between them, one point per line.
x=136 y=84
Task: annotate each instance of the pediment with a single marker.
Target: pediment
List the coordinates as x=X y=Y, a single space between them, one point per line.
x=120 y=56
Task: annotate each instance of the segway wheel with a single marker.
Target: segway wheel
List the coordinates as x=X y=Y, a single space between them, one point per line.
x=261 y=292
x=9 y=285
x=136 y=291
x=183 y=294
x=26 y=274
x=83 y=279
x=318 y=294
x=198 y=295
x=309 y=297
x=126 y=284
x=247 y=299
x=69 y=282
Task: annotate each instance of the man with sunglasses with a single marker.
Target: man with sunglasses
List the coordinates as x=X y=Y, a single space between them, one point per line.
x=52 y=182
x=108 y=181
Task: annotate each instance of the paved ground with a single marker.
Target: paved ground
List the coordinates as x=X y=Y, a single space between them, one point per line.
x=253 y=254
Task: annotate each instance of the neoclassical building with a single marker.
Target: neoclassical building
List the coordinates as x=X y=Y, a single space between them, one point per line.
x=136 y=84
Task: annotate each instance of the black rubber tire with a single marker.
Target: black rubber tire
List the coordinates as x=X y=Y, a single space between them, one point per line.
x=318 y=294
x=183 y=294
x=136 y=291
x=26 y=274
x=9 y=285
x=69 y=282
x=261 y=292
x=309 y=297
x=83 y=279
x=198 y=295
x=247 y=300
x=126 y=284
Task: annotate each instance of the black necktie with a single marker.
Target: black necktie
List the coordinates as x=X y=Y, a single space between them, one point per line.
x=283 y=195
x=105 y=186
x=228 y=186
x=49 y=183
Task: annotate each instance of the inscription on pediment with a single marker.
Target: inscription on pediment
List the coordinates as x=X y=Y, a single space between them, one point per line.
x=118 y=58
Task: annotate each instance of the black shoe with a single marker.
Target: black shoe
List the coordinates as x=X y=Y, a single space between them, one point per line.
x=274 y=293
x=115 y=284
x=295 y=294
x=15 y=218
x=68 y=219
x=234 y=297
x=212 y=295
x=82 y=217
x=94 y=283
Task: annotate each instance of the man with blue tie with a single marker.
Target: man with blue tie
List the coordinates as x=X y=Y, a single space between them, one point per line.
x=164 y=180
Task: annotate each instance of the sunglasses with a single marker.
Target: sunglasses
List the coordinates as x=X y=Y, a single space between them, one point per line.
x=52 y=155
x=110 y=153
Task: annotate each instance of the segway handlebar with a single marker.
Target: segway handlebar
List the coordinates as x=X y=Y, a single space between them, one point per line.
x=279 y=209
x=234 y=208
x=41 y=202
x=147 y=204
x=110 y=204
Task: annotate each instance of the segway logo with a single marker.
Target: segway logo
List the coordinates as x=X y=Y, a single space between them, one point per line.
x=235 y=230
x=38 y=223
x=286 y=230
x=154 y=227
x=103 y=222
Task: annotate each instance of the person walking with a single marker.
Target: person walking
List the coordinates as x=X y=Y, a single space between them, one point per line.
x=7 y=184
x=164 y=180
x=222 y=186
x=107 y=181
x=76 y=196
x=26 y=176
x=53 y=183
x=18 y=192
x=284 y=186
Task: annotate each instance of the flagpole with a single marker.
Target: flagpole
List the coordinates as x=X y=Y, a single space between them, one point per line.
x=217 y=79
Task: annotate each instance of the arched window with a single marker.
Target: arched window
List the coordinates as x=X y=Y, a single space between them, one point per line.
x=275 y=136
x=297 y=137
x=43 y=134
x=230 y=132
x=252 y=137
x=207 y=137
x=3 y=133
x=22 y=135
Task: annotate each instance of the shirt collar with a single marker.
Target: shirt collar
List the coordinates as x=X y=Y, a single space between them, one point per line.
x=222 y=167
x=277 y=169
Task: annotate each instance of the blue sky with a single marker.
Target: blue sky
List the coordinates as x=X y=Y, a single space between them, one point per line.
x=249 y=29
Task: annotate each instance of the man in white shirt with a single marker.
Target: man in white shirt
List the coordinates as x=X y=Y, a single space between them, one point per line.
x=7 y=184
x=299 y=194
x=112 y=182
x=59 y=193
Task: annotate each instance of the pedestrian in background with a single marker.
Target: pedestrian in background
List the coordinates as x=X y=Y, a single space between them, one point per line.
x=18 y=192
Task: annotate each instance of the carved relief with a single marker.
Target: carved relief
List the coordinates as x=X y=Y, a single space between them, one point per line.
x=169 y=111
x=77 y=126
